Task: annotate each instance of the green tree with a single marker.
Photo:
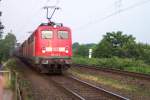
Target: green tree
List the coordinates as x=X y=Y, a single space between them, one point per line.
x=75 y=47
x=115 y=44
x=7 y=44
x=144 y=52
x=82 y=50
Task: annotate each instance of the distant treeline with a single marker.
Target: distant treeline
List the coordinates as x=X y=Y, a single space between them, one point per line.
x=115 y=44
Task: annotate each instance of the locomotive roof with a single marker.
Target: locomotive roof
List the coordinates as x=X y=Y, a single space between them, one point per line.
x=52 y=24
x=52 y=27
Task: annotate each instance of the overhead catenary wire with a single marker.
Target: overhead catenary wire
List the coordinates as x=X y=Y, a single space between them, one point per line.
x=112 y=14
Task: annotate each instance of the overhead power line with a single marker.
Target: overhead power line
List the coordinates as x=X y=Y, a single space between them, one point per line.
x=113 y=14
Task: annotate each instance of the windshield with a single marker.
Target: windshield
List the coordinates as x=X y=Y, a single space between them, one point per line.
x=47 y=34
x=62 y=34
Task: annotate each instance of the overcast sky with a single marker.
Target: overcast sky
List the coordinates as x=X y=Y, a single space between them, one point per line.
x=87 y=18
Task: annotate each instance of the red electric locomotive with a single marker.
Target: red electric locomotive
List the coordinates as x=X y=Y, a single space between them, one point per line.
x=49 y=47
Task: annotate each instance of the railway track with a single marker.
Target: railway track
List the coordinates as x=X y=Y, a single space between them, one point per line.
x=82 y=90
x=116 y=71
x=73 y=88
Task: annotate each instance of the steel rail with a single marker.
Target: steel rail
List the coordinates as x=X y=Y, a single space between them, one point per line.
x=101 y=89
x=116 y=71
x=68 y=91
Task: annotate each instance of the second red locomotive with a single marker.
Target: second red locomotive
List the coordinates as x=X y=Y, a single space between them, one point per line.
x=49 y=47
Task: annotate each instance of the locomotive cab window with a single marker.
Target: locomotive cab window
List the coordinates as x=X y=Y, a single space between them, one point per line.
x=47 y=34
x=63 y=35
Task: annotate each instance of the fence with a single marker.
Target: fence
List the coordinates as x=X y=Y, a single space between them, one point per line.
x=8 y=81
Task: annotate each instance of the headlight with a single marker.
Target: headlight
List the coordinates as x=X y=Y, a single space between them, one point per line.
x=43 y=50
x=67 y=51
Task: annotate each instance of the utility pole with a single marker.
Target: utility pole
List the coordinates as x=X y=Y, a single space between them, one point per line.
x=118 y=5
x=1 y=26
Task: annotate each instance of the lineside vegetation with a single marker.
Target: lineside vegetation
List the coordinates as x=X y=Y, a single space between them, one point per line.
x=7 y=44
x=115 y=62
x=115 y=50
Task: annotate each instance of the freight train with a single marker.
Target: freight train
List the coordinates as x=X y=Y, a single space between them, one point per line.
x=49 y=48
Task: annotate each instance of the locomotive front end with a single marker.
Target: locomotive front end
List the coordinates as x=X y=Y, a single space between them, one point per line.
x=53 y=48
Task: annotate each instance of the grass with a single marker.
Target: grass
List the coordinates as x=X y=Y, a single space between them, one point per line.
x=103 y=80
x=117 y=63
x=110 y=82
